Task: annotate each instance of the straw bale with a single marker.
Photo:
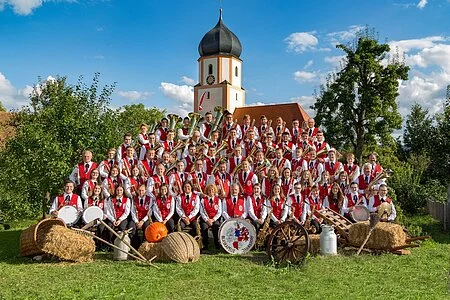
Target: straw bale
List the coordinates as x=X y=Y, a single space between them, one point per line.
x=150 y=250
x=67 y=244
x=181 y=247
x=385 y=236
x=314 y=243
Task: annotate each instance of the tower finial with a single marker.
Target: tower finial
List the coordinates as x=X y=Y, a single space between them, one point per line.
x=220 y=17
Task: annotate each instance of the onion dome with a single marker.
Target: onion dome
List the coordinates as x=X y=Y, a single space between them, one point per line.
x=220 y=40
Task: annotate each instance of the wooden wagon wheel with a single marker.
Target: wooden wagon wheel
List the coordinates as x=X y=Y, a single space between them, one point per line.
x=289 y=241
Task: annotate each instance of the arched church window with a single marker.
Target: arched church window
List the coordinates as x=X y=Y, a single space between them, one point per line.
x=210 y=69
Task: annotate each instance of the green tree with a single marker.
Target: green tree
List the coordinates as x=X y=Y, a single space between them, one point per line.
x=419 y=131
x=357 y=106
x=132 y=116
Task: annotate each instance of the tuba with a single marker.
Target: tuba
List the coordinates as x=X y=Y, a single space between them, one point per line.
x=217 y=119
x=152 y=128
x=195 y=118
x=173 y=120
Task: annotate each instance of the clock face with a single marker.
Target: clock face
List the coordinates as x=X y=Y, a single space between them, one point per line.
x=210 y=79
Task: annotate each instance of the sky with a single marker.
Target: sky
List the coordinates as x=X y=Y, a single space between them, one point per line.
x=150 y=48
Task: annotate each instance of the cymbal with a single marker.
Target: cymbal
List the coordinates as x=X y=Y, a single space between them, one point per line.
x=384 y=210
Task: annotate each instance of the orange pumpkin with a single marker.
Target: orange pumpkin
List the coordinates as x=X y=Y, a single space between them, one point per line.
x=156 y=232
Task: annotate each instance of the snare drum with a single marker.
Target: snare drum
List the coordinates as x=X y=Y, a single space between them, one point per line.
x=360 y=213
x=237 y=236
x=92 y=213
x=69 y=214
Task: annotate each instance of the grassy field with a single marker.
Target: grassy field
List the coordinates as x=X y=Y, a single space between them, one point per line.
x=422 y=275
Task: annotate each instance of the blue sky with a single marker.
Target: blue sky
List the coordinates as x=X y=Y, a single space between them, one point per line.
x=150 y=47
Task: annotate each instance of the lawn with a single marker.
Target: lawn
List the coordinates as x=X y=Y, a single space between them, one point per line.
x=422 y=275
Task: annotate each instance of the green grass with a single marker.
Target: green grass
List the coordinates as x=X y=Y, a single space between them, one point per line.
x=422 y=275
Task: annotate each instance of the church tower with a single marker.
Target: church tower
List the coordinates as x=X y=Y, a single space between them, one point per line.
x=220 y=71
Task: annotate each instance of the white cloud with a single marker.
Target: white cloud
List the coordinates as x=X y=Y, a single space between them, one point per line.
x=135 y=95
x=422 y=4
x=188 y=80
x=308 y=64
x=305 y=102
x=303 y=76
x=335 y=61
x=300 y=42
x=181 y=93
x=10 y=97
x=26 y=7
x=344 y=35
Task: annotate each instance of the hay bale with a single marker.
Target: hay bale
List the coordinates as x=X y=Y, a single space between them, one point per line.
x=31 y=239
x=68 y=244
x=150 y=250
x=181 y=247
x=314 y=243
x=385 y=236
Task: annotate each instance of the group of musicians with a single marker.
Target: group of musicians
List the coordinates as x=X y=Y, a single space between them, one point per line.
x=195 y=177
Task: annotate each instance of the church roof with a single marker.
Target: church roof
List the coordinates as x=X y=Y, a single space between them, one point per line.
x=220 y=40
x=288 y=111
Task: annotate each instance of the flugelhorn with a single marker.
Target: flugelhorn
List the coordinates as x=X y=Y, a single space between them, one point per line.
x=383 y=175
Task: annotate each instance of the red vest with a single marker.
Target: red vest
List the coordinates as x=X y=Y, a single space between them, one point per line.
x=322 y=146
x=230 y=144
x=149 y=167
x=263 y=130
x=362 y=183
x=225 y=184
x=85 y=174
x=247 y=185
x=143 y=210
x=277 y=209
x=209 y=164
x=377 y=170
x=126 y=166
x=72 y=202
x=196 y=180
x=164 y=207
x=287 y=187
x=163 y=134
x=350 y=201
x=295 y=137
x=119 y=209
x=112 y=186
x=297 y=164
x=189 y=162
x=334 y=205
x=157 y=182
x=267 y=186
x=235 y=210
x=167 y=146
x=347 y=169
x=208 y=127
x=123 y=150
x=211 y=210
x=232 y=162
x=145 y=138
x=188 y=207
x=377 y=200
x=324 y=190
x=287 y=154
x=298 y=206
x=100 y=203
x=314 y=131
x=313 y=203
x=257 y=206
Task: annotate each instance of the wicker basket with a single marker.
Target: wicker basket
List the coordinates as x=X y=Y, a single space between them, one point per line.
x=32 y=238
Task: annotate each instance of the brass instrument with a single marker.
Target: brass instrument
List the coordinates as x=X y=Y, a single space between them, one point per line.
x=222 y=146
x=266 y=164
x=307 y=150
x=152 y=128
x=269 y=151
x=264 y=232
x=253 y=150
x=239 y=166
x=173 y=121
x=180 y=145
x=170 y=168
x=195 y=118
x=219 y=161
x=320 y=152
x=384 y=174
x=217 y=119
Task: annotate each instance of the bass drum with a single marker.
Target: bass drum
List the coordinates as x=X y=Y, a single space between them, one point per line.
x=69 y=215
x=360 y=213
x=237 y=236
x=92 y=213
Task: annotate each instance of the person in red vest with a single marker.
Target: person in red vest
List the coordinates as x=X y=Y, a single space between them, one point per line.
x=287 y=181
x=287 y=146
x=235 y=159
x=141 y=210
x=155 y=182
x=148 y=164
x=246 y=179
x=143 y=141
x=122 y=150
x=210 y=212
x=296 y=131
x=67 y=198
x=188 y=206
x=89 y=185
x=161 y=132
x=312 y=130
x=117 y=211
x=234 y=206
x=297 y=204
x=257 y=207
x=277 y=202
x=113 y=181
x=128 y=162
x=335 y=198
x=206 y=126
x=164 y=208
x=221 y=179
x=376 y=200
x=314 y=202
x=105 y=166
x=82 y=171
x=198 y=177
x=351 y=200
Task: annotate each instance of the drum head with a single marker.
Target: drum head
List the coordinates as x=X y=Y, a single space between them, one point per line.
x=68 y=214
x=237 y=236
x=92 y=213
x=360 y=213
